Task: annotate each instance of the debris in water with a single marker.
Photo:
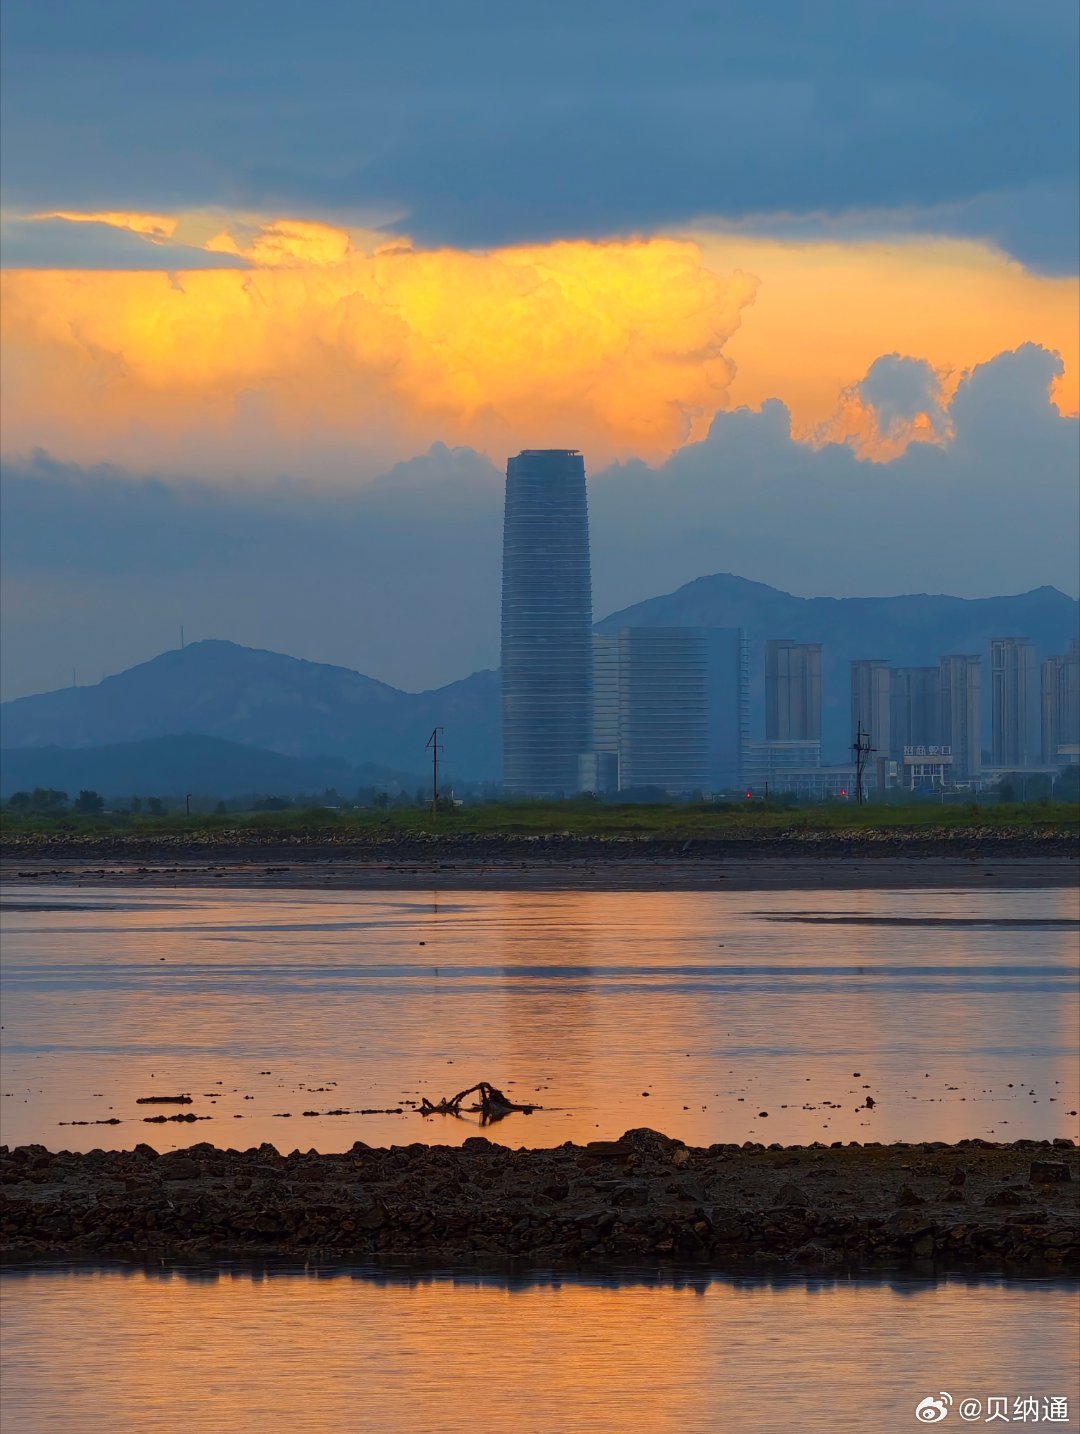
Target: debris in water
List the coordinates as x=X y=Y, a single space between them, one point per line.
x=493 y=1105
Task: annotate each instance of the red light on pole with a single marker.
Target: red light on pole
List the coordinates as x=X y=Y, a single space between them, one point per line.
x=749 y=796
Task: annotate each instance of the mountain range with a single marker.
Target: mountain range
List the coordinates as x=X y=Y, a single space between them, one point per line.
x=914 y=630
x=195 y=765
x=313 y=711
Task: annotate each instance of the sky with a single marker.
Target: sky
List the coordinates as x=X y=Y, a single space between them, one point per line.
x=283 y=286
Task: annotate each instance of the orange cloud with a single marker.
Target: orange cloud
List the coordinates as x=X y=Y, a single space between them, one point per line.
x=285 y=241
x=825 y=311
x=155 y=227
x=617 y=347
x=337 y=350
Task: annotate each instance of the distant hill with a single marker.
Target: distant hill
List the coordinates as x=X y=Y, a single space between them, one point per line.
x=267 y=700
x=312 y=711
x=907 y=631
x=174 y=766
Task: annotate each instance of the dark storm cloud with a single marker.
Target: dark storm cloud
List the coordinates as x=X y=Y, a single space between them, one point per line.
x=484 y=123
x=401 y=578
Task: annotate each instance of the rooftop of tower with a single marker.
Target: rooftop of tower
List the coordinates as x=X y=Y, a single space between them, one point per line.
x=550 y=452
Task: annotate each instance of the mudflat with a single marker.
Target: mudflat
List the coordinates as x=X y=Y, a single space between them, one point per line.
x=330 y=860
x=643 y=1199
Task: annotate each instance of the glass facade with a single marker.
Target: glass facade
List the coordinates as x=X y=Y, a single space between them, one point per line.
x=672 y=705
x=915 y=708
x=792 y=691
x=1016 y=727
x=547 y=654
x=960 y=686
x=663 y=711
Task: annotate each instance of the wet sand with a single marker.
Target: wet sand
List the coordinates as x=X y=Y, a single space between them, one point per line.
x=641 y=1200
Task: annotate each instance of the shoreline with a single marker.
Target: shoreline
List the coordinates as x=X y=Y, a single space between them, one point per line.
x=758 y=861
x=644 y=1199
x=752 y=875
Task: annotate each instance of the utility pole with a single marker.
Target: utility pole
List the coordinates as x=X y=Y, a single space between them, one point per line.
x=181 y=637
x=862 y=749
x=434 y=746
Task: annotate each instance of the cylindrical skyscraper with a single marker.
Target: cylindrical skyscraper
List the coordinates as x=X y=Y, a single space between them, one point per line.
x=546 y=622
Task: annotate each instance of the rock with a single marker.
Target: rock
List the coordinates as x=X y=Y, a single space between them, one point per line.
x=1048 y=1172
x=905 y=1224
x=812 y=1254
x=792 y=1195
x=1009 y=1196
x=609 y=1149
x=557 y=1189
x=906 y=1196
x=650 y=1142
x=179 y=1167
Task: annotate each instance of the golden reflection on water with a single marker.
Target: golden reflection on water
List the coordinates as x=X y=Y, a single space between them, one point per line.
x=691 y=1012
x=113 y=1352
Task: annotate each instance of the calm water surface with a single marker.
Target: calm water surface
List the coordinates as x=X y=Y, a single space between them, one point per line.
x=690 y=1012
x=98 y=1351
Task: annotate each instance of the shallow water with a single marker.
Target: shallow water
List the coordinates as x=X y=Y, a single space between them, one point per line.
x=692 y=1012
x=95 y=1350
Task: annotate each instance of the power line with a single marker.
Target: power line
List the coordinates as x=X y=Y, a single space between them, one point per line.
x=862 y=749
x=434 y=746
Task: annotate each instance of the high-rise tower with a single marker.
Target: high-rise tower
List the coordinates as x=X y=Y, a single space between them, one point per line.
x=871 y=703
x=792 y=691
x=960 y=696
x=547 y=655
x=1060 y=704
x=1014 y=699
x=915 y=718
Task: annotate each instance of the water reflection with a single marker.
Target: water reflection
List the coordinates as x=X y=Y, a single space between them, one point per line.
x=105 y=1350
x=691 y=1012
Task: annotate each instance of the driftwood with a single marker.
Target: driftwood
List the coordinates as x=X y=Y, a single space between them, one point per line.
x=492 y=1105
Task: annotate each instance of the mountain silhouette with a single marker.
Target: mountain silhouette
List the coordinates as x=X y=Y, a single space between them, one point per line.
x=267 y=700
x=313 y=710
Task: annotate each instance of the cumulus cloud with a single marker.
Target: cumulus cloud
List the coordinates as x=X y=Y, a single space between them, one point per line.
x=900 y=401
x=994 y=508
x=331 y=352
x=401 y=578
x=615 y=346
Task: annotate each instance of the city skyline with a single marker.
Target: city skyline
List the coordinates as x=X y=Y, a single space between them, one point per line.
x=302 y=339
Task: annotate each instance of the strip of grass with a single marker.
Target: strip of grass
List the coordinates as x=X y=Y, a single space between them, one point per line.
x=569 y=818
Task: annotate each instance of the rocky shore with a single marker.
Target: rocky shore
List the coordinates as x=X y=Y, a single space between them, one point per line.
x=346 y=859
x=641 y=1200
